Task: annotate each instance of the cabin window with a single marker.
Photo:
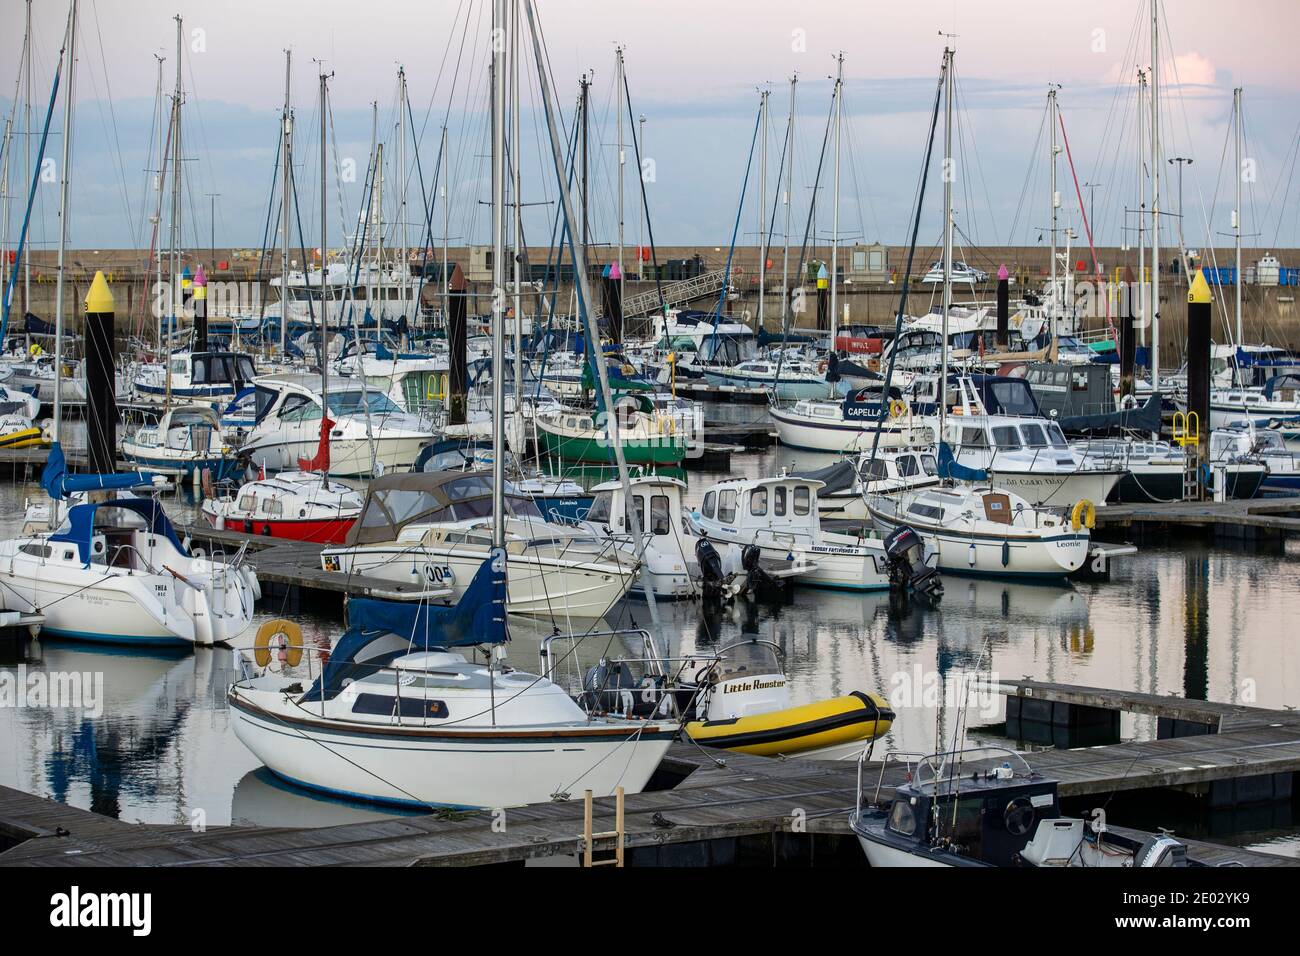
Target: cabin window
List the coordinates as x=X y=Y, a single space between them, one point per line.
x=272 y=507
x=298 y=408
x=661 y=519
x=36 y=550
x=706 y=509
x=1033 y=436
x=1005 y=437
x=600 y=508
x=778 y=501
x=802 y=500
x=640 y=515
x=727 y=506
x=758 y=502
x=927 y=511
x=395 y=706
x=1056 y=436
x=929 y=464
x=973 y=438
x=874 y=469
x=902 y=818
x=248 y=503
x=907 y=466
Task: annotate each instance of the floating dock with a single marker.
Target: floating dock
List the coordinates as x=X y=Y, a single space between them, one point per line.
x=1246 y=518
x=725 y=807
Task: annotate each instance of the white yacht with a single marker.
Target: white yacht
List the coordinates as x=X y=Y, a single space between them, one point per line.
x=850 y=424
x=668 y=560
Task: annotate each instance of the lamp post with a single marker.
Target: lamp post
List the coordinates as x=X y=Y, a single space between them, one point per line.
x=1181 y=161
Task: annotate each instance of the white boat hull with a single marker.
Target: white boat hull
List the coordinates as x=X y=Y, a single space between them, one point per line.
x=1049 y=556
x=1058 y=490
x=349 y=457
x=835 y=435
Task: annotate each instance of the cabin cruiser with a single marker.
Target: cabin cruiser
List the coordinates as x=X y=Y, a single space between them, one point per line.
x=559 y=498
x=700 y=341
x=114 y=571
x=659 y=510
x=398 y=714
x=296 y=505
x=788 y=380
x=194 y=376
x=779 y=517
x=1278 y=399
x=970 y=331
x=1231 y=449
x=847 y=483
x=186 y=439
x=415 y=381
x=742 y=703
x=987 y=807
x=647 y=436
x=849 y=425
x=1156 y=471
x=369 y=435
x=989 y=530
x=435 y=530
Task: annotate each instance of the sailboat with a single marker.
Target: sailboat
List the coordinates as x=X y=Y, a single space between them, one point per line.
x=398 y=716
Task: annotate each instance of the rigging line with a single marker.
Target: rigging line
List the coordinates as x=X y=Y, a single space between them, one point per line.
x=1083 y=214
x=264 y=257
x=645 y=201
x=118 y=166
x=735 y=229
x=1031 y=178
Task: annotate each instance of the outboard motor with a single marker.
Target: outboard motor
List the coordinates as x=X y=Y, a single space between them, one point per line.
x=761 y=584
x=905 y=552
x=713 y=581
x=610 y=687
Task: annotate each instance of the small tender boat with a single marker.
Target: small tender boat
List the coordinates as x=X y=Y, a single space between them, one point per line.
x=298 y=505
x=987 y=807
x=186 y=439
x=398 y=716
x=743 y=704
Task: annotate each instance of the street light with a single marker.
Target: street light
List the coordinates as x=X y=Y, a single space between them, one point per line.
x=1182 y=246
x=1092 y=203
x=212 y=205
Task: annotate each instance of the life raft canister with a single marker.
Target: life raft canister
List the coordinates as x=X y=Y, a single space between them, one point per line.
x=1083 y=515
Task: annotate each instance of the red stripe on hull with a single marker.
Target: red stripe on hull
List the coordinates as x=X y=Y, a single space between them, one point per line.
x=327 y=531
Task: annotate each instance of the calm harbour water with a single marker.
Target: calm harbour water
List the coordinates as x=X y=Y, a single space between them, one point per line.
x=1178 y=618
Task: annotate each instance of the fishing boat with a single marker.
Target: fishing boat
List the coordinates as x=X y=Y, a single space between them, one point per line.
x=185 y=440
x=296 y=505
x=986 y=807
x=433 y=529
x=114 y=571
x=396 y=715
x=989 y=531
x=666 y=558
x=779 y=517
x=742 y=703
x=370 y=433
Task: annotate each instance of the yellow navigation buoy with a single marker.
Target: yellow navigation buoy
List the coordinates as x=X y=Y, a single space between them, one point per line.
x=1198 y=293
x=100 y=297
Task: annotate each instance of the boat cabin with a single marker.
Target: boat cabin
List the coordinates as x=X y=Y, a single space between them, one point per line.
x=779 y=506
x=658 y=506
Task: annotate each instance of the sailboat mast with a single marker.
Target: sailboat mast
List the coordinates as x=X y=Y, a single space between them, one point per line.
x=1236 y=213
x=498 y=270
x=178 y=293
x=1142 y=204
x=788 y=199
x=618 y=86
x=155 y=246
x=27 y=148
x=1155 y=195
x=401 y=271
x=68 y=94
x=835 y=203
x=286 y=149
x=762 y=214
x=947 y=239
x=1052 y=151
x=517 y=226
x=446 y=225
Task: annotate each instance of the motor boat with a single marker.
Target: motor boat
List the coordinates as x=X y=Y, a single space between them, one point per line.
x=1156 y=471
x=742 y=703
x=849 y=425
x=370 y=434
x=295 y=505
x=787 y=380
x=397 y=715
x=434 y=529
x=988 y=530
x=847 y=483
x=646 y=436
x=193 y=376
x=779 y=516
x=114 y=571
x=185 y=440
x=986 y=807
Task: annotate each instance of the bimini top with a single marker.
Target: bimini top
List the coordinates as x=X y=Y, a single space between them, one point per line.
x=397 y=500
x=79 y=527
x=381 y=631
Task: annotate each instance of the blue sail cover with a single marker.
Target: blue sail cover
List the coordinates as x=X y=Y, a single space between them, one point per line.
x=949 y=468
x=58 y=484
x=379 y=631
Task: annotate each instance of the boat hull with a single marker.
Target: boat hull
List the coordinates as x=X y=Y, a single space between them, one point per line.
x=1046 y=557
x=317 y=531
x=599 y=452
x=413 y=766
x=349 y=457
x=834 y=729
x=835 y=436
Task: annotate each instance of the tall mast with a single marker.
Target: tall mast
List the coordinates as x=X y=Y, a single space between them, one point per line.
x=155 y=249
x=762 y=214
x=947 y=238
x=446 y=225
x=835 y=203
x=402 y=265
x=498 y=270
x=1053 y=150
x=517 y=227
x=1236 y=213
x=178 y=294
x=1142 y=204
x=586 y=219
x=68 y=92
x=618 y=95
x=1155 y=195
x=324 y=269
x=286 y=149
x=27 y=148
x=788 y=199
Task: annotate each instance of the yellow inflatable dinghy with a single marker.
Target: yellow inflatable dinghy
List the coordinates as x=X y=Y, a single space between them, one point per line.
x=24 y=438
x=839 y=722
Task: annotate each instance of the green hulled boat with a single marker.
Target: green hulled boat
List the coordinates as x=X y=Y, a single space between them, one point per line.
x=574 y=435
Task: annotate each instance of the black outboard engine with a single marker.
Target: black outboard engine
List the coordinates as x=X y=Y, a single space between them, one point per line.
x=713 y=582
x=611 y=687
x=905 y=552
x=761 y=584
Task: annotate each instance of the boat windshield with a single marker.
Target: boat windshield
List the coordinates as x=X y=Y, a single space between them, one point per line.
x=357 y=402
x=750 y=658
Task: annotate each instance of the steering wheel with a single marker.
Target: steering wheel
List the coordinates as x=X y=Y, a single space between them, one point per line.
x=1018 y=817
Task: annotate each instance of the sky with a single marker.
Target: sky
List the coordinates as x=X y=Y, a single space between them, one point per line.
x=695 y=71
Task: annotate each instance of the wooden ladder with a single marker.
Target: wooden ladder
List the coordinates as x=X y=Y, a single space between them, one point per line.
x=589 y=838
